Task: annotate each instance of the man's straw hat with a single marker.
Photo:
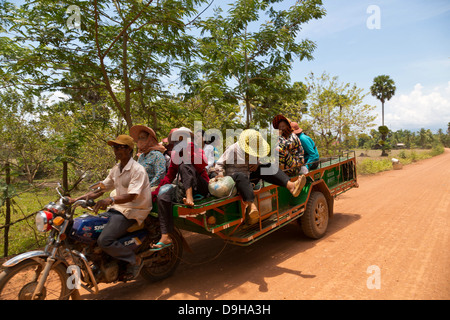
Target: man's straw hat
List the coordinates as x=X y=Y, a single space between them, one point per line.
x=123 y=139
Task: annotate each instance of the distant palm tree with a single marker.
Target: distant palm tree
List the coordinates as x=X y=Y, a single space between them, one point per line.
x=383 y=89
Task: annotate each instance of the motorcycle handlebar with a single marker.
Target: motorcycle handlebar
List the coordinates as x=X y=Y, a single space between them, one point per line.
x=87 y=204
x=90 y=203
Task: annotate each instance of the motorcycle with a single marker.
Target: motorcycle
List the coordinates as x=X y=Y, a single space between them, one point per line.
x=72 y=259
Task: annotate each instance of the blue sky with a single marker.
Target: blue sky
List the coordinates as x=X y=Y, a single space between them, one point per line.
x=412 y=46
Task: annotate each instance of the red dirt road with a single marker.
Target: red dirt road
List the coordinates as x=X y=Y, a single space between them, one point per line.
x=389 y=239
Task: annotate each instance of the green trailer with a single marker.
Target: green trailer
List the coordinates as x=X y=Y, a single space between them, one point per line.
x=225 y=217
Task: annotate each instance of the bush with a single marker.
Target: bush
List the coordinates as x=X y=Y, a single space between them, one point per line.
x=437 y=150
x=370 y=166
x=402 y=154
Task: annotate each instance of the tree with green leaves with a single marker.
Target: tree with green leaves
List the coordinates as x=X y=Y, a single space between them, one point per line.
x=336 y=108
x=249 y=60
x=383 y=89
x=23 y=143
x=118 y=48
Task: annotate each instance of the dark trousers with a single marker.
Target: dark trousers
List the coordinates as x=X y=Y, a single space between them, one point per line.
x=190 y=178
x=115 y=229
x=243 y=182
x=313 y=166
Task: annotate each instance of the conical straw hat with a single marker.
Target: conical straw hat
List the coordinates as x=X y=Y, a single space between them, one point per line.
x=253 y=143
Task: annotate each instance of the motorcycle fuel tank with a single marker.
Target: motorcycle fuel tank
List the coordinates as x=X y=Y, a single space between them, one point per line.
x=87 y=228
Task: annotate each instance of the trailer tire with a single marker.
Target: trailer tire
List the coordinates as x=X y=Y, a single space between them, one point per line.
x=314 y=221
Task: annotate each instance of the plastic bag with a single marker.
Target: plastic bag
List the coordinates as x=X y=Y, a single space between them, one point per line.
x=165 y=188
x=222 y=187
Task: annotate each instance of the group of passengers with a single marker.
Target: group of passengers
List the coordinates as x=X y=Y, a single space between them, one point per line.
x=189 y=161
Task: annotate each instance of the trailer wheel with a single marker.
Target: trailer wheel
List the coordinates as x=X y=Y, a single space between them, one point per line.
x=314 y=221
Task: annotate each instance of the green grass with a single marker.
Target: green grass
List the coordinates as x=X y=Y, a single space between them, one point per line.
x=23 y=235
x=371 y=166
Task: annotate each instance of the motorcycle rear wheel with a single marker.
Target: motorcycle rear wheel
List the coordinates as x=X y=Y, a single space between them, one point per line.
x=162 y=264
x=19 y=282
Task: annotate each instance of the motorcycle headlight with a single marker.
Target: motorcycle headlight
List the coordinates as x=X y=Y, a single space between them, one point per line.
x=43 y=219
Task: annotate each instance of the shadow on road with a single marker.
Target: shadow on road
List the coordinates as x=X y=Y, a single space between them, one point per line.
x=215 y=267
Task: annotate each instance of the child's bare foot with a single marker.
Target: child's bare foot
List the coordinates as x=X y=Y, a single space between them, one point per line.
x=188 y=202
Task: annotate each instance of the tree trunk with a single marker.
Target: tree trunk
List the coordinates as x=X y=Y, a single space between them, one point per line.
x=247 y=124
x=383 y=147
x=383 y=137
x=65 y=179
x=249 y=112
x=126 y=83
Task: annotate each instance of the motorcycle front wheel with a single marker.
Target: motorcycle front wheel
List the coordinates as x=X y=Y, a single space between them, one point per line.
x=19 y=282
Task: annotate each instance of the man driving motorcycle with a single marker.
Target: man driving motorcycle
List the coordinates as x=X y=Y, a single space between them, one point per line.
x=132 y=202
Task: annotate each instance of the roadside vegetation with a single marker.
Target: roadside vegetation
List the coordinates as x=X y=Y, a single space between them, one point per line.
x=373 y=163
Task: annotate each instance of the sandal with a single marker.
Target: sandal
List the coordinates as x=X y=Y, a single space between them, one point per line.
x=161 y=245
x=299 y=184
x=253 y=216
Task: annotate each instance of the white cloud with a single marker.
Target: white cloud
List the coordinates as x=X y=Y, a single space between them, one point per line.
x=421 y=108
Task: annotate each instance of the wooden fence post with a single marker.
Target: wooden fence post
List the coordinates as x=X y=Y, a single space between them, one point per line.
x=8 y=209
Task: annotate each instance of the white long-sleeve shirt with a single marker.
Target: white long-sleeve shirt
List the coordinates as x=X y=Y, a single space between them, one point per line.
x=233 y=160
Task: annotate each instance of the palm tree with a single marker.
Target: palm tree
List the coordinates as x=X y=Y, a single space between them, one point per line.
x=383 y=89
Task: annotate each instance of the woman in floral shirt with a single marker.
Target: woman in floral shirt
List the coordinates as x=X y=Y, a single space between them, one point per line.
x=152 y=153
x=291 y=154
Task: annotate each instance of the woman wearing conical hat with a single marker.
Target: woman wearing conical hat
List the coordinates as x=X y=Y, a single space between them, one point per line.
x=241 y=162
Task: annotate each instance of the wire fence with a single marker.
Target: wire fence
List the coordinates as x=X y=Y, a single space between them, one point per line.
x=17 y=227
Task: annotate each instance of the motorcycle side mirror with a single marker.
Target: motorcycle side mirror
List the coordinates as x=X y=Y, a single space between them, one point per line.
x=58 y=188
